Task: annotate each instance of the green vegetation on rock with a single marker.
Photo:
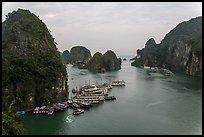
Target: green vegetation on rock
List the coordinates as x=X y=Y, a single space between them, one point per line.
x=32 y=69
x=103 y=63
x=96 y=62
x=65 y=57
x=79 y=53
x=11 y=124
x=180 y=50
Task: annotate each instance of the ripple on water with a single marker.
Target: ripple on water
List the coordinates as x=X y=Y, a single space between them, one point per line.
x=70 y=118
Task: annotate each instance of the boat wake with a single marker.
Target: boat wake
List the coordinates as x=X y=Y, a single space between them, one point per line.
x=69 y=118
x=153 y=104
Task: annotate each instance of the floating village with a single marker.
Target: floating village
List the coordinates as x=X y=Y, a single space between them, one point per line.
x=85 y=97
x=88 y=95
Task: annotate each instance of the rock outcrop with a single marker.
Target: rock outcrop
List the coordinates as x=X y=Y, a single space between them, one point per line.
x=179 y=51
x=103 y=63
x=32 y=71
x=111 y=62
x=65 y=57
x=79 y=54
x=96 y=62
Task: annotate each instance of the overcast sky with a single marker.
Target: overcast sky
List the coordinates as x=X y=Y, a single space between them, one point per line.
x=119 y=26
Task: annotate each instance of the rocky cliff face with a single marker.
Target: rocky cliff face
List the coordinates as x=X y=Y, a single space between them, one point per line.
x=194 y=66
x=96 y=62
x=180 y=50
x=65 y=57
x=111 y=62
x=103 y=63
x=79 y=54
x=33 y=73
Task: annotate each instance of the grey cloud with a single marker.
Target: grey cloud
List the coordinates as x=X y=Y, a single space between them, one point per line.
x=122 y=26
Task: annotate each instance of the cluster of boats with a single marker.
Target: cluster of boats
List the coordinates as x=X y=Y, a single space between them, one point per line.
x=164 y=71
x=85 y=97
x=89 y=95
x=51 y=109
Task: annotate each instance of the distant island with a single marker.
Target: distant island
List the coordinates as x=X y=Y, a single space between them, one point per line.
x=81 y=57
x=103 y=63
x=179 y=51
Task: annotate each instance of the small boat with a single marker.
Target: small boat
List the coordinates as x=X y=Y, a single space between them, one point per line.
x=95 y=102
x=62 y=105
x=118 y=83
x=78 y=111
x=36 y=110
x=86 y=104
x=74 y=106
x=110 y=98
x=20 y=112
x=57 y=108
x=50 y=111
x=42 y=109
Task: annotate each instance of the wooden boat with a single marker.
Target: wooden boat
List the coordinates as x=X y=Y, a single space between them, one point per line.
x=78 y=111
x=86 y=104
x=110 y=98
x=50 y=111
x=57 y=108
x=118 y=83
x=62 y=105
x=36 y=110
x=95 y=102
x=74 y=106
x=42 y=110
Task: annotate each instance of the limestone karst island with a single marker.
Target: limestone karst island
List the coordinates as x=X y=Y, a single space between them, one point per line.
x=101 y=69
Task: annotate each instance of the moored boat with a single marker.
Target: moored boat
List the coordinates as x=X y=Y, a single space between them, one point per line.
x=95 y=102
x=42 y=109
x=36 y=110
x=74 y=106
x=20 y=112
x=50 y=111
x=110 y=98
x=78 y=111
x=118 y=83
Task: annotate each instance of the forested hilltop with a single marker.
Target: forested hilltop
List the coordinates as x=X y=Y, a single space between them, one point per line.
x=179 y=51
x=32 y=70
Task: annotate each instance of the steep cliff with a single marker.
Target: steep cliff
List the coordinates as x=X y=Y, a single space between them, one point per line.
x=96 y=62
x=65 y=56
x=179 y=51
x=111 y=62
x=32 y=71
x=79 y=54
x=103 y=63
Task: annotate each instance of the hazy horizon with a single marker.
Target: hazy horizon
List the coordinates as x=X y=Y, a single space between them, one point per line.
x=122 y=27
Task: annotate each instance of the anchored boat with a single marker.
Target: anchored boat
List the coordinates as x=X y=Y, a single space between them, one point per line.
x=118 y=83
x=110 y=98
x=78 y=111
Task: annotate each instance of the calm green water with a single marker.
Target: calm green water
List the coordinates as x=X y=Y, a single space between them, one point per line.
x=150 y=103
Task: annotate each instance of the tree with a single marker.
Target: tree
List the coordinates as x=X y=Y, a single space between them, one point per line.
x=11 y=125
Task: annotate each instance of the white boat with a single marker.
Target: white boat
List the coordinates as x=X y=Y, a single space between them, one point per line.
x=36 y=110
x=78 y=111
x=50 y=111
x=118 y=83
